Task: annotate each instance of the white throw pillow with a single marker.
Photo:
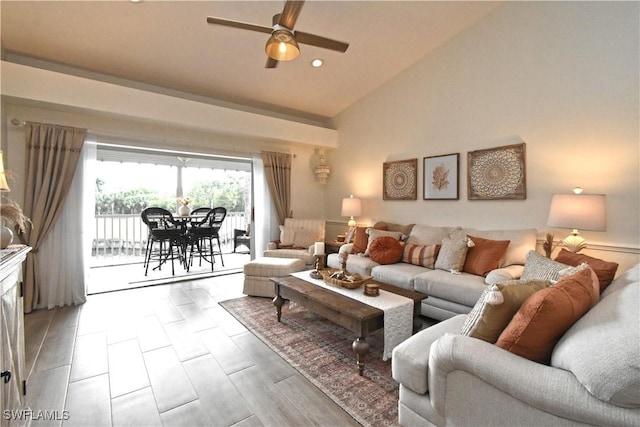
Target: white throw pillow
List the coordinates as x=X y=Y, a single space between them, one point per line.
x=287 y=235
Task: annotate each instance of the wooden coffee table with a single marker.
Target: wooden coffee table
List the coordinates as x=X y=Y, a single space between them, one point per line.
x=356 y=316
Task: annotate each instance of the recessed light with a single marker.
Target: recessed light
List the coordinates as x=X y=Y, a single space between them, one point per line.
x=316 y=63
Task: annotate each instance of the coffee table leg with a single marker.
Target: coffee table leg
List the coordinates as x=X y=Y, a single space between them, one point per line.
x=361 y=347
x=278 y=302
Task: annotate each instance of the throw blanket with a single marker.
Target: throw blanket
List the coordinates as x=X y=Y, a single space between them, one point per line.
x=398 y=311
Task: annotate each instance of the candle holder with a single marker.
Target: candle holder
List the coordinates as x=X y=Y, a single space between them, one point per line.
x=319 y=265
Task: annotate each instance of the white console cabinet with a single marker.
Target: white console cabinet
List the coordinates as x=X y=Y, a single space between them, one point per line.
x=13 y=380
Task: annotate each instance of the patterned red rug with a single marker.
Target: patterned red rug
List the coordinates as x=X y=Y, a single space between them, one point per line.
x=321 y=351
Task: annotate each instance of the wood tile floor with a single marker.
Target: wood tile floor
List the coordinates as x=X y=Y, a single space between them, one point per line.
x=166 y=355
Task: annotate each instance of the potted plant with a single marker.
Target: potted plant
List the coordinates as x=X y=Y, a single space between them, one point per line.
x=11 y=216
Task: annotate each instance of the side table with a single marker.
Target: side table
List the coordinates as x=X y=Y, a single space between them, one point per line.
x=332 y=247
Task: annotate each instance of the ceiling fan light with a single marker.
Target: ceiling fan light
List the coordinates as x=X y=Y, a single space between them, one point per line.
x=281 y=46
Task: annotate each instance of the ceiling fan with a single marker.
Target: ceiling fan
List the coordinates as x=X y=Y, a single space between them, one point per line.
x=283 y=43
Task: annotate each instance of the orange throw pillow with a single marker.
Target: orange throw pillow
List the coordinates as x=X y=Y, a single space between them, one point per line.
x=545 y=316
x=484 y=256
x=605 y=270
x=361 y=239
x=385 y=250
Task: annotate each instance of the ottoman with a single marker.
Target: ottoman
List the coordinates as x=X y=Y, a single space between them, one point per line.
x=258 y=272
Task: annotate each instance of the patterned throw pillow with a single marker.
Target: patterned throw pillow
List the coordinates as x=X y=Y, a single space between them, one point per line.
x=452 y=255
x=484 y=255
x=422 y=255
x=545 y=316
x=540 y=267
x=385 y=250
x=304 y=238
x=497 y=305
x=287 y=235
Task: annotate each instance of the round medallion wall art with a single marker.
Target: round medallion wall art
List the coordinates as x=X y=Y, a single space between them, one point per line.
x=400 y=180
x=497 y=173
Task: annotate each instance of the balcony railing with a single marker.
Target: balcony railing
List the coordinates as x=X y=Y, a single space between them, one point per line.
x=121 y=239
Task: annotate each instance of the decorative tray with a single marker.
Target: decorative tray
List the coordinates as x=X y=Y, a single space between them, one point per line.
x=354 y=282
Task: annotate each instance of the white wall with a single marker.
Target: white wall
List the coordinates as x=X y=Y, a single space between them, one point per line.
x=560 y=76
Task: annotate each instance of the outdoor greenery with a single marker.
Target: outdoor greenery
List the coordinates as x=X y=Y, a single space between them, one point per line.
x=231 y=192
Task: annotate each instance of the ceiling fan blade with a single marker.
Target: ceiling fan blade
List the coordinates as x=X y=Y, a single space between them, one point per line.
x=238 y=24
x=271 y=63
x=318 y=41
x=290 y=13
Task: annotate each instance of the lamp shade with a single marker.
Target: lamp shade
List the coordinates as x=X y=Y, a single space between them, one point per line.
x=281 y=46
x=351 y=206
x=578 y=211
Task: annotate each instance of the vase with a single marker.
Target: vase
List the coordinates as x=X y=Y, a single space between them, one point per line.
x=184 y=210
x=6 y=236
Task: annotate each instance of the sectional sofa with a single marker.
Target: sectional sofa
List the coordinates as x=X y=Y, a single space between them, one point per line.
x=449 y=293
x=591 y=378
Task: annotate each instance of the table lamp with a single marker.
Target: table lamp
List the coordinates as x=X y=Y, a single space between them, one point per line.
x=351 y=207
x=578 y=211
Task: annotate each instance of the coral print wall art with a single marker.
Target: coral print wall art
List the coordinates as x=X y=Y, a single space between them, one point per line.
x=441 y=177
x=400 y=180
x=497 y=173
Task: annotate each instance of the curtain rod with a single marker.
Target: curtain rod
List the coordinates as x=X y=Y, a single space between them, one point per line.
x=17 y=122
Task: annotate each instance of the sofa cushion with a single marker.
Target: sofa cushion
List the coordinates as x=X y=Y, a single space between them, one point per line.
x=427 y=235
x=601 y=349
x=385 y=250
x=605 y=270
x=463 y=288
x=302 y=254
x=400 y=274
x=484 y=255
x=390 y=226
x=545 y=316
x=497 y=306
x=541 y=267
x=522 y=241
x=421 y=255
x=452 y=254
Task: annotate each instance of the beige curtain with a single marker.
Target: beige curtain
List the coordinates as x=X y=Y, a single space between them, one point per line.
x=277 y=171
x=52 y=157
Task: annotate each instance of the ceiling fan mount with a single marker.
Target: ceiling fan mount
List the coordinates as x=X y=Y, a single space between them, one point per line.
x=282 y=45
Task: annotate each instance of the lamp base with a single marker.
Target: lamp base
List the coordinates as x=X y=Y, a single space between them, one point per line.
x=574 y=242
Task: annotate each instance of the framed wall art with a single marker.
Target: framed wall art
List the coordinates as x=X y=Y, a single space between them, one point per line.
x=441 y=177
x=497 y=173
x=400 y=180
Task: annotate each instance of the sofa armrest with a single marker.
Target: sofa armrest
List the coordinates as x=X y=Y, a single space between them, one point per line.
x=410 y=359
x=464 y=369
x=272 y=245
x=510 y=272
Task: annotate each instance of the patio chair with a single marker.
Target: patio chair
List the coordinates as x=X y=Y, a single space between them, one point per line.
x=201 y=234
x=165 y=240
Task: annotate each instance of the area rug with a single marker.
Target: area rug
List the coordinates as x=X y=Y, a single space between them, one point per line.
x=321 y=351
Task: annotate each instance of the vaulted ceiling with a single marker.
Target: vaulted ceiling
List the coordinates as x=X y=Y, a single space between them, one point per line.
x=170 y=45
